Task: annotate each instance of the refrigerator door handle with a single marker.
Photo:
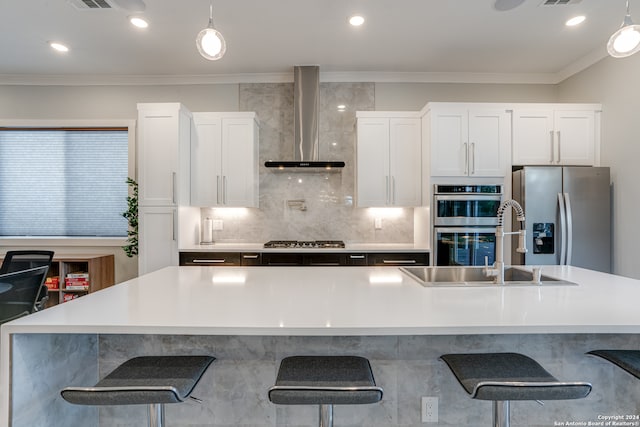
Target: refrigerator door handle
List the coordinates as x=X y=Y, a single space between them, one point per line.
x=563 y=230
x=569 y=228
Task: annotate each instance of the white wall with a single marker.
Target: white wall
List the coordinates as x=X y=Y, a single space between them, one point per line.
x=614 y=84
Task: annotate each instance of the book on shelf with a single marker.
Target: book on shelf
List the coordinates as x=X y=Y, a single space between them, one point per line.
x=69 y=297
x=76 y=287
x=77 y=275
x=52 y=283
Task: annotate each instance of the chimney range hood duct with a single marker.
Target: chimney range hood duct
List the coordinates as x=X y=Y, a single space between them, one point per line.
x=306 y=95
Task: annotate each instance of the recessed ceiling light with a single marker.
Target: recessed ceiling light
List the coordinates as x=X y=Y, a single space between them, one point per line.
x=356 y=20
x=138 y=22
x=342 y=107
x=59 y=47
x=576 y=20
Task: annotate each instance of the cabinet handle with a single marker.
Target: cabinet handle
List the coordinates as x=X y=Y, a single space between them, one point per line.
x=250 y=256
x=173 y=187
x=473 y=158
x=466 y=158
x=386 y=197
x=218 y=190
x=324 y=263
x=173 y=225
x=209 y=261
x=224 y=189
x=356 y=256
x=399 y=261
x=551 y=143
x=393 y=190
x=559 y=148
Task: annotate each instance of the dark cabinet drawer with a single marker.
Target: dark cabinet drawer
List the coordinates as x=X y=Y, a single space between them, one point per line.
x=277 y=258
x=399 y=259
x=325 y=259
x=210 y=258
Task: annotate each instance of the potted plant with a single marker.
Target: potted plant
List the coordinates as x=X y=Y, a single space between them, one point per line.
x=131 y=214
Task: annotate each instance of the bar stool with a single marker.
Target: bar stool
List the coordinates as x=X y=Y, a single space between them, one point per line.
x=502 y=377
x=146 y=380
x=325 y=381
x=629 y=360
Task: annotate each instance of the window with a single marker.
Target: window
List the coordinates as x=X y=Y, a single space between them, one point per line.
x=67 y=182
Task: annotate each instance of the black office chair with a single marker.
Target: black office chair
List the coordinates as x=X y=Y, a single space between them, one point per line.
x=19 y=292
x=24 y=260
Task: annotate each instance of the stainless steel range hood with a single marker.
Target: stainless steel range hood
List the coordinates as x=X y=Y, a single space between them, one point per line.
x=306 y=95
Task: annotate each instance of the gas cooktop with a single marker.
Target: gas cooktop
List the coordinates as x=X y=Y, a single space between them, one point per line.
x=310 y=244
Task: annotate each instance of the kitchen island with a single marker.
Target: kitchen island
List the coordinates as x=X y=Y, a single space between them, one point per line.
x=249 y=318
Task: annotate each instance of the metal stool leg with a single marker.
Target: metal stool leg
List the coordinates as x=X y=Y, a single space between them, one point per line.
x=501 y=413
x=156 y=415
x=326 y=415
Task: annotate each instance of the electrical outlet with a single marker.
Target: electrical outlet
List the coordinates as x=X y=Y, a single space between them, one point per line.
x=377 y=223
x=217 y=224
x=429 y=409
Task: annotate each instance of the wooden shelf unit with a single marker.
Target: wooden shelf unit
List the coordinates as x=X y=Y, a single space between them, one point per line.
x=100 y=268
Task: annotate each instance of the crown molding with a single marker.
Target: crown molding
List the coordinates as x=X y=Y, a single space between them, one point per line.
x=325 y=76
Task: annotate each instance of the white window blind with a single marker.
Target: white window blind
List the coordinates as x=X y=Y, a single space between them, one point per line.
x=63 y=182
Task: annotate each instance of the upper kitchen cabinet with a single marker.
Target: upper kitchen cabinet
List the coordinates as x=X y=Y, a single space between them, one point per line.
x=164 y=132
x=224 y=160
x=388 y=159
x=556 y=134
x=468 y=139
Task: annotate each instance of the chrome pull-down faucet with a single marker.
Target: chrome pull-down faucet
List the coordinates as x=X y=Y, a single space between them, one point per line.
x=497 y=270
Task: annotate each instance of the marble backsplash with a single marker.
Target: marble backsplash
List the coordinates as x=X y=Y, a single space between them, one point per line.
x=329 y=211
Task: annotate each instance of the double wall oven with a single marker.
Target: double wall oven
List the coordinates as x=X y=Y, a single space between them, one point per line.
x=464 y=223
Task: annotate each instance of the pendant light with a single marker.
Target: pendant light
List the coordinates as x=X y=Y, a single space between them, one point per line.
x=626 y=41
x=210 y=42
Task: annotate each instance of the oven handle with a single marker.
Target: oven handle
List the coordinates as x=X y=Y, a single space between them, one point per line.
x=437 y=230
x=469 y=197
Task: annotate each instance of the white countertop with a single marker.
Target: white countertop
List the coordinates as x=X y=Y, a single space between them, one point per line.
x=339 y=301
x=349 y=247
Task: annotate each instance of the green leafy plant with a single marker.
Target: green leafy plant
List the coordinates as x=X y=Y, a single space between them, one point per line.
x=131 y=248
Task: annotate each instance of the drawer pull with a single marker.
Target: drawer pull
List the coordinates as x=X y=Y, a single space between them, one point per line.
x=356 y=256
x=324 y=263
x=250 y=256
x=399 y=261
x=209 y=261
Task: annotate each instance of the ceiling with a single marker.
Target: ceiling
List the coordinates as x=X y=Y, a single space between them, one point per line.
x=401 y=40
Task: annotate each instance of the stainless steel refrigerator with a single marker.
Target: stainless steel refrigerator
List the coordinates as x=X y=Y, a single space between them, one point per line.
x=568 y=216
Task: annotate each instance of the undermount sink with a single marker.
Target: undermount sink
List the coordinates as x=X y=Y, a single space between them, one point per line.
x=474 y=276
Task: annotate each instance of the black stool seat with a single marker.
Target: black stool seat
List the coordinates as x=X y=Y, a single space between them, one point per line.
x=144 y=380
x=510 y=376
x=629 y=360
x=325 y=380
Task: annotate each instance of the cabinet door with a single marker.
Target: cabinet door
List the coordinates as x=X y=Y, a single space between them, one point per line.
x=405 y=154
x=533 y=138
x=575 y=137
x=206 y=161
x=373 y=178
x=158 y=145
x=449 y=142
x=489 y=141
x=158 y=238
x=239 y=163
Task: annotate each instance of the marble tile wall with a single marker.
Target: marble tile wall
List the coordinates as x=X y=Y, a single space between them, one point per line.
x=329 y=197
x=58 y=360
x=234 y=389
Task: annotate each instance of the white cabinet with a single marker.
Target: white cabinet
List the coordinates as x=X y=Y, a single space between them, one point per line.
x=468 y=140
x=388 y=160
x=163 y=140
x=157 y=238
x=163 y=131
x=555 y=135
x=224 y=160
